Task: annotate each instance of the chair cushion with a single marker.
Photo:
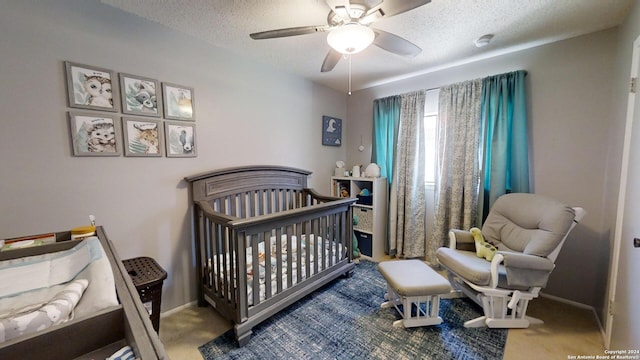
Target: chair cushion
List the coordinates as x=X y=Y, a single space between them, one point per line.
x=528 y=223
x=466 y=264
x=473 y=269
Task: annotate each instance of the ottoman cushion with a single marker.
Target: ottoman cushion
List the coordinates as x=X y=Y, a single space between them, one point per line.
x=413 y=278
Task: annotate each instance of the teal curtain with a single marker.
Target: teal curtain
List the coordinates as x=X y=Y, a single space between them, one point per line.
x=386 y=119
x=506 y=157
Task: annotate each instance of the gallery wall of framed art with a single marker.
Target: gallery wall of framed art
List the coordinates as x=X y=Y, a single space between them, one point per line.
x=159 y=121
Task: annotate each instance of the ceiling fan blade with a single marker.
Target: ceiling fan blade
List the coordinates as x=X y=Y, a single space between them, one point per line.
x=395 y=44
x=333 y=4
x=394 y=7
x=294 y=31
x=330 y=60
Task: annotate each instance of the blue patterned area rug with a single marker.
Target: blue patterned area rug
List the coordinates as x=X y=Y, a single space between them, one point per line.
x=343 y=320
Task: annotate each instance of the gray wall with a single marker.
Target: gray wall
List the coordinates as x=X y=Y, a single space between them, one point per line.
x=569 y=98
x=246 y=113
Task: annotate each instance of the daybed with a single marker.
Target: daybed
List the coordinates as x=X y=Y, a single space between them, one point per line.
x=263 y=241
x=108 y=315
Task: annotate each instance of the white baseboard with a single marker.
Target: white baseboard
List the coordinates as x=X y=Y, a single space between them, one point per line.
x=578 y=305
x=177 y=309
x=567 y=301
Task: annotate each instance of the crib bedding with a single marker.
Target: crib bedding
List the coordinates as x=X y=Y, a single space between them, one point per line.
x=311 y=248
x=47 y=284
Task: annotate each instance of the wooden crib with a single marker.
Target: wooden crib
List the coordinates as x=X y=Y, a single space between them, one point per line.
x=263 y=241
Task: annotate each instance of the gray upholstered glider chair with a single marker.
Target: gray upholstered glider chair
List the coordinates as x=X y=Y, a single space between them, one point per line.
x=528 y=231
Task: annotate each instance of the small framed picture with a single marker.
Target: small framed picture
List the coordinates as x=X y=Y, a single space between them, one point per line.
x=331 y=131
x=90 y=87
x=94 y=134
x=180 y=139
x=142 y=137
x=179 y=102
x=140 y=95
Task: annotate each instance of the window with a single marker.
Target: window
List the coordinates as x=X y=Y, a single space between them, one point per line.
x=430 y=126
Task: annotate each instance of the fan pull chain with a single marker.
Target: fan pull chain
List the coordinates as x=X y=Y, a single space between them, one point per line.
x=349 y=74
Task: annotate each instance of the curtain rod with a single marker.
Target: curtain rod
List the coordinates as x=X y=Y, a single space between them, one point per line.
x=436 y=88
x=425 y=90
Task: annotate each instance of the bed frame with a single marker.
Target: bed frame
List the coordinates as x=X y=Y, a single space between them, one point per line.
x=93 y=337
x=235 y=210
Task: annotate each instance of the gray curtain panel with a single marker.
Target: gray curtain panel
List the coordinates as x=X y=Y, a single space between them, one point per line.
x=407 y=207
x=458 y=161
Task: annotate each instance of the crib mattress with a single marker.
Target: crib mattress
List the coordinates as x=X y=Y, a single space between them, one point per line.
x=271 y=258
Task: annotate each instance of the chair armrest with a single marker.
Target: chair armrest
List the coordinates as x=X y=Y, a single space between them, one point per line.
x=525 y=270
x=461 y=240
x=525 y=261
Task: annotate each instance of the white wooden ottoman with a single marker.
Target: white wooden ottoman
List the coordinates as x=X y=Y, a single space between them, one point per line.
x=413 y=282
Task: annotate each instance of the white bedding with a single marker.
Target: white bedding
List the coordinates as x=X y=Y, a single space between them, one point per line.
x=330 y=250
x=99 y=294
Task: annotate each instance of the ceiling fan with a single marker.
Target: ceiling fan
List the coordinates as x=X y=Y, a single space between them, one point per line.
x=348 y=25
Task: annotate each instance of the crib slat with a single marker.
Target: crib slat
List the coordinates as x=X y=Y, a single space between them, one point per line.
x=239 y=284
x=289 y=257
x=323 y=225
x=298 y=253
x=225 y=271
x=315 y=229
x=207 y=253
x=267 y=265
x=255 y=268
x=276 y=200
x=213 y=245
x=268 y=196
x=260 y=195
x=331 y=240
x=279 y=259
x=307 y=249
x=340 y=238
x=238 y=200
x=286 y=199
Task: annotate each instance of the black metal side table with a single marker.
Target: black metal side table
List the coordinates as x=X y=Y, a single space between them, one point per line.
x=147 y=276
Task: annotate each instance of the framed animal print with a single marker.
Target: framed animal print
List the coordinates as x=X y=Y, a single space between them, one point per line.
x=142 y=137
x=179 y=102
x=90 y=87
x=94 y=134
x=180 y=139
x=331 y=131
x=140 y=95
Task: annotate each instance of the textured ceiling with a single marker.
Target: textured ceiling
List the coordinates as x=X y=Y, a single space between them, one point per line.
x=444 y=29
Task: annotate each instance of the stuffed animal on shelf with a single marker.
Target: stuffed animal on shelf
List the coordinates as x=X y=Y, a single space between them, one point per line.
x=356 y=250
x=483 y=248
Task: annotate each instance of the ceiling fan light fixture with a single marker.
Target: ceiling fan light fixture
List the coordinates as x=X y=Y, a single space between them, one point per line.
x=350 y=38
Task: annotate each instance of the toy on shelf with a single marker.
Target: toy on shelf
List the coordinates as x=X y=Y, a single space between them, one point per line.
x=82 y=232
x=356 y=250
x=372 y=170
